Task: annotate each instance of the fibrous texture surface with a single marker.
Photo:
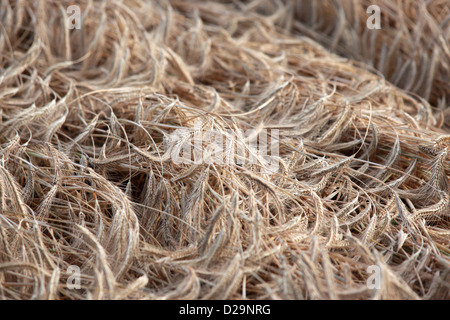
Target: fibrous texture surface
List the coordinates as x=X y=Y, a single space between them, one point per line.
x=357 y=208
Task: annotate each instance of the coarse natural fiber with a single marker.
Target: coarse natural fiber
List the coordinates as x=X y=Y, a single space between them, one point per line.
x=411 y=50
x=87 y=181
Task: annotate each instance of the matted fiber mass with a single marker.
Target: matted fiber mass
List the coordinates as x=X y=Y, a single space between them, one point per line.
x=87 y=180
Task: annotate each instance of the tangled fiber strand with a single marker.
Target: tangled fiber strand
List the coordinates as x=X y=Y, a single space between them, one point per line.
x=88 y=178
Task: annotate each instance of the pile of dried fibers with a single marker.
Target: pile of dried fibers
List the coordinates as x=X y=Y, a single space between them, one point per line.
x=350 y=202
